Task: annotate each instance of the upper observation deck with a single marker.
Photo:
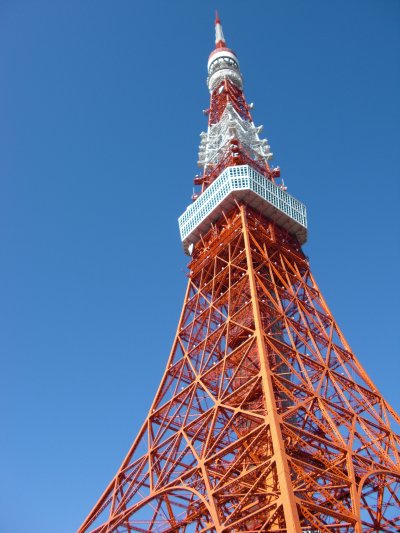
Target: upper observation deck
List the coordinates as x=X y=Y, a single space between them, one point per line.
x=242 y=184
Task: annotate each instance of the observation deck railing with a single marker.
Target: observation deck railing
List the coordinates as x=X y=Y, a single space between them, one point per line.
x=242 y=183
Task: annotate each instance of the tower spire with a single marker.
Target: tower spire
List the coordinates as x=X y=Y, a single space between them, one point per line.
x=232 y=138
x=219 y=35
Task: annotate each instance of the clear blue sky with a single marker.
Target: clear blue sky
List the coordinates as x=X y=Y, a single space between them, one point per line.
x=100 y=114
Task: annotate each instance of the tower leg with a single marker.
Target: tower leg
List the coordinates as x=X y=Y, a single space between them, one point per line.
x=286 y=487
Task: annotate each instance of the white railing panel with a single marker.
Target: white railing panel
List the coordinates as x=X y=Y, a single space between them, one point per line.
x=240 y=178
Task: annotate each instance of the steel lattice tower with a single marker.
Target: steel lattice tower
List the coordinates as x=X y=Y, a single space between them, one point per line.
x=264 y=420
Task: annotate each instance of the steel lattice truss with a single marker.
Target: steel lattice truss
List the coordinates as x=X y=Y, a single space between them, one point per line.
x=264 y=420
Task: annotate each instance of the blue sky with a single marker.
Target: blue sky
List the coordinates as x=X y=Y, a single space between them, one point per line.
x=100 y=113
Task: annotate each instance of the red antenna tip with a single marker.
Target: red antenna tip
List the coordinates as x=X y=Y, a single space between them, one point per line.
x=219 y=35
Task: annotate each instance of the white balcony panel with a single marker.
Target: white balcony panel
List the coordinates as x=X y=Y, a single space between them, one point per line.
x=242 y=183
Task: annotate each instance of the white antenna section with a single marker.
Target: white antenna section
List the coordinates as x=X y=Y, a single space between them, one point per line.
x=231 y=125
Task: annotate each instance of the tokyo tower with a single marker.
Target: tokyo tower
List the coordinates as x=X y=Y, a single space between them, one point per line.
x=264 y=420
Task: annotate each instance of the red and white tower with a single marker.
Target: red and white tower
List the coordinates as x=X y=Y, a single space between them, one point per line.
x=264 y=420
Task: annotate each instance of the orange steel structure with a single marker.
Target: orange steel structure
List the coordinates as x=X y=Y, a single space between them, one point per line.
x=264 y=421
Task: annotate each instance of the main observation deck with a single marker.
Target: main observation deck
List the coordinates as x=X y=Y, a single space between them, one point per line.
x=242 y=184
